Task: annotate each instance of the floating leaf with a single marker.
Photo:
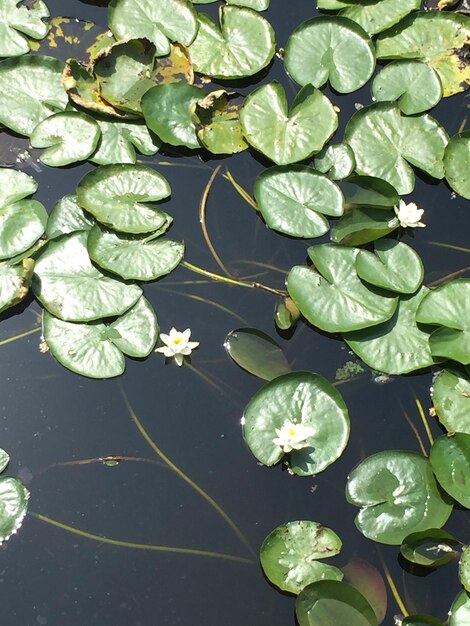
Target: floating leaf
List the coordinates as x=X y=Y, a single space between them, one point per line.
x=217 y=119
x=159 y=22
x=379 y=15
x=300 y=398
x=332 y=297
x=115 y=194
x=330 y=48
x=438 y=39
x=459 y=614
x=398 y=495
x=256 y=5
x=430 y=548
x=13 y=505
x=134 y=257
x=68 y=137
x=290 y=555
x=256 y=352
x=330 y=603
x=464 y=569
x=394 y=266
x=137 y=330
x=451 y=398
x=449 y=307
x=369 y=581
x=242 y=46
x=34 y=85
x=450 y=459
x=72 y=288
x=4 y=459
x=420 y=619
x=360 y=226
x=15 y=280
x=293 y=199
x=368 y=192
x=337 y=160
x=67 y=216
x=456 y=160
x=22 y=223
x=385 y=142
x=286 y=137
x=415 y=85
x=119 y=140
x=286 y=314
x=19 y=23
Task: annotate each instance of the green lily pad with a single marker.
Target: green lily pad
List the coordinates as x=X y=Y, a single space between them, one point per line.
x=286 y=314
x=332 y=297
x=397 y=346
x=15 y=185
x=430 y=548
x=450 y=458
x=449 y=307
x=242 y=46
x=360 y=226
x=73 y=289
x=330 y=603
x=67 y=216
x=4 y=459
x=368 y=192
x=330 y=48
x=464 y=569
x=257 y=353
x=134 y=257
x=19 y=23
x=369 y=581
x=256 y=5
x=398 y=495
x=436 y=38
x=13 y=505
x=459 y=614
x=68 y=137
x=451 y=399
x=217 y=120
x=385 y=142
x=168 y=112
x=159 y=22
x=115 y=196
x=300 y=398
x=290 y=555
x=137 y=330
x=332 y=5
x=394 y=266
x=379 y=15
x=415 y=85
x=293 y=200
x=420 y=619
x=22 y=223
x=286 y=137
x=456 y=164
x=15 y=280
x=119 y=140
x=34 y=85
x=337 y=160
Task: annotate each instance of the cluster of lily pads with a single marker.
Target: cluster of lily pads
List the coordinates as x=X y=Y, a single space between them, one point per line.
x=144 y=84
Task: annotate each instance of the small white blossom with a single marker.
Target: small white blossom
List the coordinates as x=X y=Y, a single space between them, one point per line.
x=409 y=215
x=177 y=345
x=292 y=436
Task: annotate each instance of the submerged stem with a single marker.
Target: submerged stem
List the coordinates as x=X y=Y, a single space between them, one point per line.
x=425 y=421
x=244 y=194
x=20 y=336
x=393 y=588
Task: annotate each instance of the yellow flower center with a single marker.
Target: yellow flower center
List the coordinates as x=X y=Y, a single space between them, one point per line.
x=177 y=340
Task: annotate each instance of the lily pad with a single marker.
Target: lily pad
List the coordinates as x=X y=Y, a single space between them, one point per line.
x=436 y=38
x=134 y=257
x=394 y=266
x=73 y=289
x=451 y=399
x=242 y=46
x=68 y=137
x=330 y=603
x=450 y=459
x=332 y=297
x=360 y=226
x=430 y=548
x=464 y=569
x=257 y=353
x=377 y=16
x=137 y=330
x=159 y=22
x=290 y=555
x=420 y=619
x=459 y=614
x=34 y=85
x=286 y=314
x=19 y=23
x=119 y=140
x=449 y=307
x=13 y=505
x=368 y=192
x=330 y=48
x=398 y=495
x=369 y=581
x=217 y=119
x=300 y=398
x=67 y=216
x=385 y=143
x=286 y=137
x=293 y=200
x=337 y=160
x=456 y=164
x=15 y=280
x=4 y=459
x=22 y=223
x=115 y=196
x=415 y=85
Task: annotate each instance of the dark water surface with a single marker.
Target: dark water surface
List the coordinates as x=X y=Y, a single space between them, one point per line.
x=50 y=416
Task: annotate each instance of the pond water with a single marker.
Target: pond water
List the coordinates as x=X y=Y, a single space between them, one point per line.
x=56 y=425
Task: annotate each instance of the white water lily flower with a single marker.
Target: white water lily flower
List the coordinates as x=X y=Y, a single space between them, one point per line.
x=292 y=436
x=409 y=215
x=177 y=345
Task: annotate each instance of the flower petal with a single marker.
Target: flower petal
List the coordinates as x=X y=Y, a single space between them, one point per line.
x=179 y=358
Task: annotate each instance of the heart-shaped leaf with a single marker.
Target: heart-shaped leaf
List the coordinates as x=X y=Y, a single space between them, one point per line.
x=286 y=137
x=257 y=353
x=330 y=48
x=450 y=458
x=456 y=160
x=19 y=23
x=451 y=399
x=120 y=139
x=378 y=15
x=67 y=216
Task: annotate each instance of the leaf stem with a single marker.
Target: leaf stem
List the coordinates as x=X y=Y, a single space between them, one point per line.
x=424 y=420
x=393 y=588
x=20 y=336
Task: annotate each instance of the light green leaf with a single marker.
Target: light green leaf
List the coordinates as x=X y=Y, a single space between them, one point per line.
x=256 y=352
x=242 y=46
x=330 y=48
x=22 y=223
x=19 y=23
x=379 y=15
x=119 y=140
x=332 y=297
x=337 y=160
x=459 y=614
x=15 y=185
x=67 y=216
x=4 y=459
x=451 y=399
x=13 y=505
x=464 y=568
x=450 y=460
x=457 y=164
x=137 y=330
x=15 y=280
x=217 y=119
x=360 y=226
x=286 y=137
x=286 y=314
